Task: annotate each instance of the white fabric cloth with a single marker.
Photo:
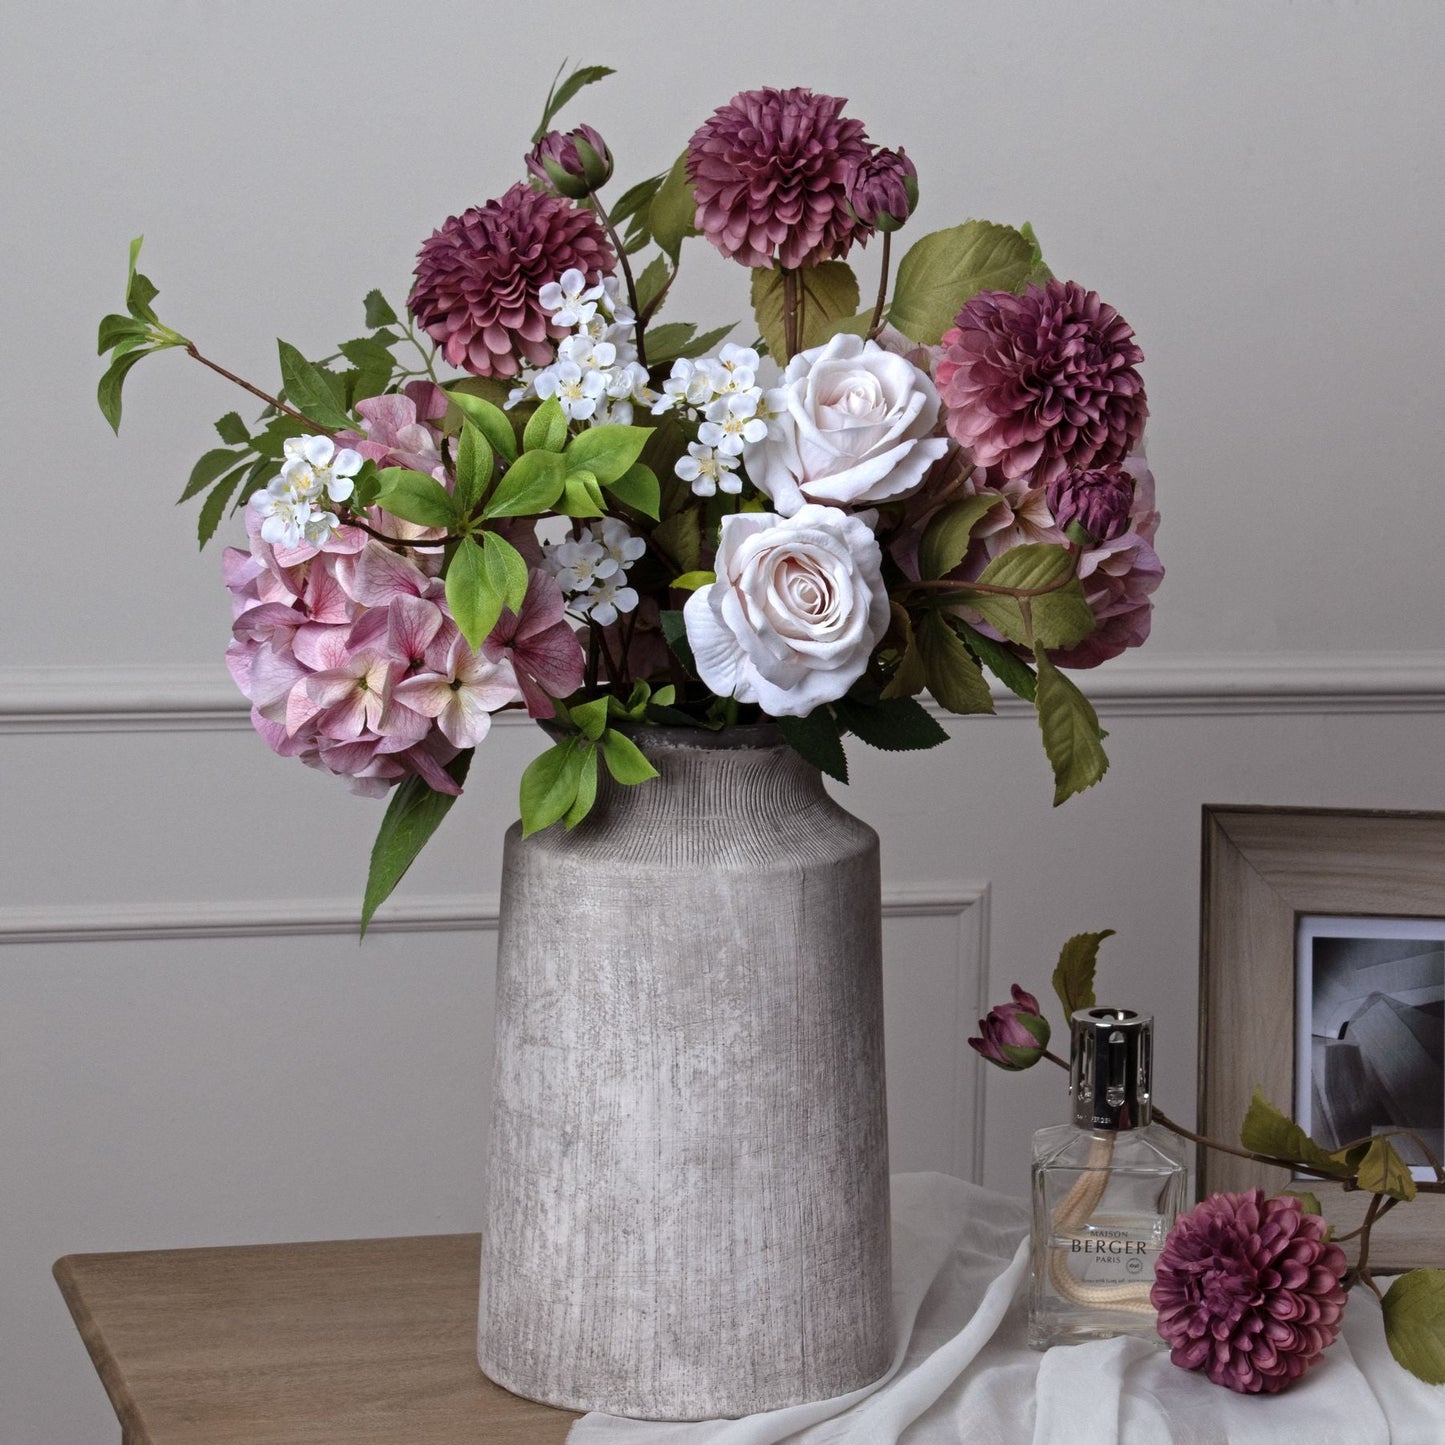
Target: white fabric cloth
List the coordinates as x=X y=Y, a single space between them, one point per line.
x=962 y=1371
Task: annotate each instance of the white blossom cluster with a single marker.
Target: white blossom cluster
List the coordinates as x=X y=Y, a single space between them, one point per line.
x=291 y=505
x=733 y=412
x=591 y=570
x=597 y=376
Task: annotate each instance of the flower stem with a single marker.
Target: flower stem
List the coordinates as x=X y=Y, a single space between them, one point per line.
x=255 y=390
x=876 y=325
x=639 y=337
x=790 y=313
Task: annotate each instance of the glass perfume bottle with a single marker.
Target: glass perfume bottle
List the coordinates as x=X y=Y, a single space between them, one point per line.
x=1106 y=1189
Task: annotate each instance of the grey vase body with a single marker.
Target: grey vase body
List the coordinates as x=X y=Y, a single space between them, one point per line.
x=688 y=1178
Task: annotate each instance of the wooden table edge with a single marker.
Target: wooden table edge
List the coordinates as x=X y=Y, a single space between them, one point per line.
x=133 y=1427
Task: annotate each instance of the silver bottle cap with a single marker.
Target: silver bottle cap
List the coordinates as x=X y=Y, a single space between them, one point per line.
x=1111 y=1068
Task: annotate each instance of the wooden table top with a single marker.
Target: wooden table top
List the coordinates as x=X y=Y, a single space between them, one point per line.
x=346 y=1342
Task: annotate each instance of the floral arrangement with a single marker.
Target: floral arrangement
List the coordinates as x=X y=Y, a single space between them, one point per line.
x=1251 y=1290
x=522 y=490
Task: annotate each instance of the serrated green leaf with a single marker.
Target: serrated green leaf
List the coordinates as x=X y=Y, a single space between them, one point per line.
x=116 y=330
x=896 y=724
x=475 y=603
x=817 y=740
x=947 y=538
x=1267 y=1130
x=1060 y=619
x=829 y=294
x=549 y=785
x=1035 y=564
x=474 y=467
x=674 y=631
x=586 y=791
x=379 y=311
x=635 y=200
x=413 y=815
x=639 y=489
x=1382 y=1171
x=671 y=215
x=1012 y=671
x=309 y=391
x=910 y=677
x=546 y=428
x=530 y=486
x=954 y=678
x=946 y=268
x=257 y=477
x=1074 y=973
x=560 y=95
x=369 y=355
x=488 y=419
x=415 y=497
x=608 y=452
x=624 y=759
x=506 y=571
x=591 y=717
x=665 y=342
x=109 y=389
x=207 y=469
x=1070 y=729
x=700 y=345
x=214 y=507
x=1414 y=1309
x=650 y=284
x=680 y=538
x=232 y=430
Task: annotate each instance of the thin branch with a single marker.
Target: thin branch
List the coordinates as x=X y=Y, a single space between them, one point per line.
x=790 y=313
x=256 y=391
x=876 y=325
x=639 y=338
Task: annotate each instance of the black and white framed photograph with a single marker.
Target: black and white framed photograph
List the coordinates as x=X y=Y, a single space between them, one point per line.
x=1370 y=1033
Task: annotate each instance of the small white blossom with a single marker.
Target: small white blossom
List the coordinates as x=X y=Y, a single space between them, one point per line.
x=284 y=517
x=585 y=352
x=708 y=471
x=591 y=570
x=571 y=301
x=312 y=465
x=613 y=302
x=577 y=565
x=619 y=541
x=576 y=390
x=609 y=598
x=731 y=421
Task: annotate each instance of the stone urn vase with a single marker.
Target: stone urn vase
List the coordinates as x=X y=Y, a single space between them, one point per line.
x=687 y=1209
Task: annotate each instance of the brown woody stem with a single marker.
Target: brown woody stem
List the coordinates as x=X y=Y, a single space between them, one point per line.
x=876 y=325
x=256 y=390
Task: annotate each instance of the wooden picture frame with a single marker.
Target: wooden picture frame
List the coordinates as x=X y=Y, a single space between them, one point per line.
x=1262 y=869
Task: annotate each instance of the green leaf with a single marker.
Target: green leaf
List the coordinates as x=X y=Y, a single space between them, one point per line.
x=1036 y=564
x=670 y=216
x=581 y=497
x=1062 y=618
x=214 y=507
x=817 y=740
x=413 y=815
x=207 y=469
x=115 y=330
x=591 y=717
x=954 y=678
x=309 y=391
x=947 y=537
x=415 y=497
x=896 y=724
x=1382 y=1171
x=475 y=603
x=488 y=419
x=546 y=428
x=530 y=486
x=680 y=538
x=635 y=199
x=1267 y=1130
x=379 y=311
x=549 y=785
x=702 y=344
x=1011 y=670
x=108 y=392
x=560 y=95
x=910 y=677
x=945 y=268
x=829 y=294
x=639 y=489
x=232 y=430
x=691 y=581
x=1414 y=1309
x=1071 y=731
x=674 y=630
x=475 y=464
x=1074 y=973
x=624 y=758
x=506 y=571
x=665 y=342
x=608 y=452
x=139 y=292
x=652 y=280
x=586 y=791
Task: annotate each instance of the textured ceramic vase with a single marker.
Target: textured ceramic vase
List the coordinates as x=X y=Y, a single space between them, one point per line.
x=688 y=1178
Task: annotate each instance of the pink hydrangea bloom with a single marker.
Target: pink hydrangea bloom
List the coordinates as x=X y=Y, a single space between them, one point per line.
x=540 y=646
x=769 y=173
x=1249 y=1290
x=479 y=275
x=400 y=428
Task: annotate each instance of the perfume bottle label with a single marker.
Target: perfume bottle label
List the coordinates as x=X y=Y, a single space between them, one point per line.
x=1110 y=1254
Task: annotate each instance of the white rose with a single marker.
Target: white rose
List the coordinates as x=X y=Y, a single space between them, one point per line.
x=796 y=611
x=856 y=428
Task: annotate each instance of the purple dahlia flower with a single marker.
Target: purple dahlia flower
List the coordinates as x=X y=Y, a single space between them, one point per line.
x=477 y=278
x=573 y=163
x=1097 y=498
x=883 y=190
x=769 y=173
x=1042 y=382
x=1015 y=1034
x=1249 y=1290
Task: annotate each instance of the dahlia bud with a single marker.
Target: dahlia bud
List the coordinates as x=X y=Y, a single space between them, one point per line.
x=573 y=163
x=883 y=190
x=1015 y=1034
x=1095 y=502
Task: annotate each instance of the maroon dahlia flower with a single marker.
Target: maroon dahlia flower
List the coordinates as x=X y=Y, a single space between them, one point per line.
x=1042 y=382
x=1015 y=1034
x=1249 y=1290
x=573 y=163
x=769 y=173
x=477 y=278
x=1097 y=498
x=883 y=190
